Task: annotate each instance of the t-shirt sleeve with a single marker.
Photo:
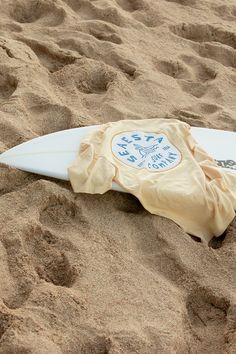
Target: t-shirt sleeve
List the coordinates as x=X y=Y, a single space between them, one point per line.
x=225 y=181
x=91 y=173
x=205 y=161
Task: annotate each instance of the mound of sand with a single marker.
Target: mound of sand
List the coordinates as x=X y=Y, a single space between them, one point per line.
x=98 y=274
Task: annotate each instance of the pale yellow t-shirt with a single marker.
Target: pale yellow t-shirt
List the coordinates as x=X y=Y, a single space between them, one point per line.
x=159 y=162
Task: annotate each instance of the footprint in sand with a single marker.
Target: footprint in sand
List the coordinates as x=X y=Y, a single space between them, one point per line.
x=201 y=71
x=204 y=33
x=22 y=275
x=8 y=84
x=213 y=42
x=226 y=119
x=87 y=10
x=174 y=68
x=131 y=5
x=6 y=320
x=189 y=3
x=192 y=73
x=13 y=179
x=102 y=31
x=224 y=55
x=50 y=256
x=225 y=12
x=50 y=56
x=46 y=118
x=82 y=7
x=35 y=251
x=114 y=59
x=203 y=114
x=197 y=113
x=61 y=212
x=192 y=118
x=201 y=75
x=141 y=11
x=92 y=77
x=10 y=133
x=207 y=315
x=195 y=89
x=126 y=66
x=44 y=13
x=94 y=84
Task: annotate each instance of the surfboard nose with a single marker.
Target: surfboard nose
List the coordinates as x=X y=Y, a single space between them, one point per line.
x=49 y=155
x=7 y=156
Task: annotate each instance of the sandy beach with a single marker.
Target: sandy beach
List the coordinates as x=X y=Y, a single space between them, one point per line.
x=98 y=274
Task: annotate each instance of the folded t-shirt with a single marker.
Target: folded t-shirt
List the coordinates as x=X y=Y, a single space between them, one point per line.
x=159 y=162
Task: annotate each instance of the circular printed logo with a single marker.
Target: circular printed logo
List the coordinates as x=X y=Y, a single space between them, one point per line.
x=142 y=150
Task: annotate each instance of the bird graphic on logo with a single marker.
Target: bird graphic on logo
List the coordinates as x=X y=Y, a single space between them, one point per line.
x=143 y=150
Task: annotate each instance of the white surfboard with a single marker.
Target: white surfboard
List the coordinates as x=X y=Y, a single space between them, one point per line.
x=52 y=154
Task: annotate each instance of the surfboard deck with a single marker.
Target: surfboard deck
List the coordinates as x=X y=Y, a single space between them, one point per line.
x=51 y=155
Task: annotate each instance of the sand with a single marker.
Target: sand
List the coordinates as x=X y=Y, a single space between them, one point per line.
x=97 y=274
